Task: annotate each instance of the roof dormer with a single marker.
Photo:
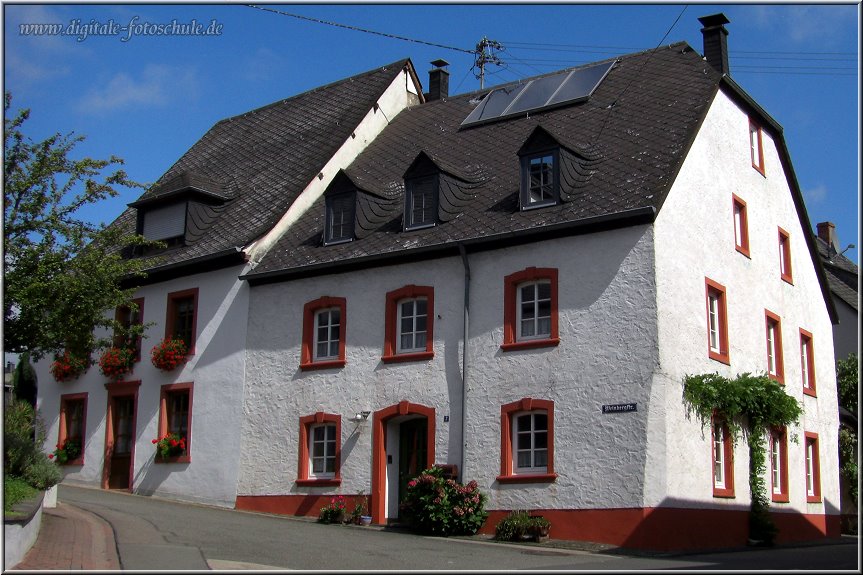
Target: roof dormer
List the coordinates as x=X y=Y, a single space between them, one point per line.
x=341 y=206
x=422 y=188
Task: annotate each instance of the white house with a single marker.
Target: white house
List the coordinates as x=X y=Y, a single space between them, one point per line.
x=218 y=209
x=514 y=282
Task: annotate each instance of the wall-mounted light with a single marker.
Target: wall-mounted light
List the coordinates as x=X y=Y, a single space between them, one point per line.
x=361 y=416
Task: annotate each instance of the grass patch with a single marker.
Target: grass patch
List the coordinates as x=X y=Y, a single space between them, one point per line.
x=16 y=489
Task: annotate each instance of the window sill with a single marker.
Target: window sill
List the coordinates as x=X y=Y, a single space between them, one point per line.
x=788 y=279
x=780 y=378
x=537 y=478
x=333 y=482
x=810 y=392
x=530 y=344
x=759 y=169
x=176 y=459
x=78 y=461
x=330 y=364
x=779 y=498
x=813 y=499
x=744 y=251
x=723 y=493
x=418 y=356
x=720 y=357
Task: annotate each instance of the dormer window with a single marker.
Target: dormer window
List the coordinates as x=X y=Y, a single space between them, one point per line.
x=340 y=218
x=421 y=202
x=165 y=223
x=539 y=179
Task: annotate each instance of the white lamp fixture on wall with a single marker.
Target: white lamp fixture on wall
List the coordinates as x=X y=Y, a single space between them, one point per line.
x=361 y=416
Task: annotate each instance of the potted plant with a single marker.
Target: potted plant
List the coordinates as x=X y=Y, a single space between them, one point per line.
x=170 y=445
x=169 y=353
x=116 y=362
x=68 y=366
x=359 y=508
x=538 y=527
x=334 y=512
x=67 y=450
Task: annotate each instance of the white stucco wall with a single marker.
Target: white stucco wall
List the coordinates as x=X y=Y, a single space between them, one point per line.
x=694 y=240
x=217 y=371
x=607 y=355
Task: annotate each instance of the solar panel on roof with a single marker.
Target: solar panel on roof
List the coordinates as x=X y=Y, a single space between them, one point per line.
x=555 y=90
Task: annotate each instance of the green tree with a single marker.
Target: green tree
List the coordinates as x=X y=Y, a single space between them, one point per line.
x=61 y=273
x=847 y=381
x=24 y=380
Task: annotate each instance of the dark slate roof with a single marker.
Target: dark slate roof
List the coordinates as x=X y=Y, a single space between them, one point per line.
x=257 y=163
x=620 y=153
x=842 y=274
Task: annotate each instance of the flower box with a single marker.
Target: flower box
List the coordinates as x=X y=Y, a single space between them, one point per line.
x=169 y=353
x=169 y=446
x=116 y=362
x=68 y=366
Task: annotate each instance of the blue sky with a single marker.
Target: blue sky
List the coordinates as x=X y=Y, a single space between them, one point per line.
x=148 y=99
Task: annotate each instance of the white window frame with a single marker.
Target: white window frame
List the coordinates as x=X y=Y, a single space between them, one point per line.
x=414 y=333
x=776 y=463
x=548 y=187
x=346 y=201
x=805 y=342
x=772 y=351
x=536 y=304
x=533 y=449
x=417 y=187
x=719 y=479
x=328 y=427
x=810 y=470
x=331 y=339
x=715 y=322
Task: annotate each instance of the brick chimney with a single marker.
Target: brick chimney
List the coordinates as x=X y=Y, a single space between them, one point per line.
x=715 y=42
x=438 y=81
x=827 y=232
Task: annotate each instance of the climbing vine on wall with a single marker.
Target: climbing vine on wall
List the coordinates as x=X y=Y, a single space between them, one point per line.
x=751 y=405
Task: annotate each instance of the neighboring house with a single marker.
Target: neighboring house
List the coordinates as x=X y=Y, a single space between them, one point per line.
x=843 y=276
x=515 y=282
x=219 y=208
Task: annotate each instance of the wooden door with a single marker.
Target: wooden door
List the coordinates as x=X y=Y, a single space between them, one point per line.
x=413 y=456
x=123 y=411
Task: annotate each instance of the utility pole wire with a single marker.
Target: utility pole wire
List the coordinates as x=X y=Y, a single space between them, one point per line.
x=357 y=29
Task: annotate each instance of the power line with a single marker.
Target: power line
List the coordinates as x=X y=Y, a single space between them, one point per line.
x=357 y=29
x=579 y=47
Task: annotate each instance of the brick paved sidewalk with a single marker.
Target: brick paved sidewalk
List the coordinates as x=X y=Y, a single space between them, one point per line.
x=71 y=539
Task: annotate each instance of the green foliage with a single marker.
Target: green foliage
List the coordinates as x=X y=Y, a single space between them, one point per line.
x=518 y=525
x=440 y=506
x=848 y=460
x=847 y=382
x=24 y=380
x=16 y=489
x=334 y=512
x=750 y=405
x=61 y=273
x=69 y=450
x=23 y=434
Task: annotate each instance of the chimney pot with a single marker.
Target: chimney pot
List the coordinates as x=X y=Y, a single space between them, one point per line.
x=827 y=232
x=438 y=81
x=715 y=41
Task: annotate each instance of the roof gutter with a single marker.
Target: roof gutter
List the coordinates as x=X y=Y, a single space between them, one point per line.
x=635 y=216
x=209 y=262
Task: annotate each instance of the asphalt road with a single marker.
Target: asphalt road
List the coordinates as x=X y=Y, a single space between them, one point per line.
x=159 y=534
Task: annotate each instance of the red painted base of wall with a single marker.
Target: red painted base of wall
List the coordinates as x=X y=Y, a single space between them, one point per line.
x=656 y=529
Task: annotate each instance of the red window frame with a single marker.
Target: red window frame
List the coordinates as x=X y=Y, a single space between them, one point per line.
x=739 y=205
x=713 y=288
x=727 y=458
x=771 y=319
x=812 y=439
x=307 y=351
x=62 y=434
x=807 y=372
x=306 y=423
x=785 y=270
x=391 y=332
x=756 y=147
x=165 y=392
x=510 y=313
x=171 y=314
x=507 y=474
x=123 y=315
x=779 y=435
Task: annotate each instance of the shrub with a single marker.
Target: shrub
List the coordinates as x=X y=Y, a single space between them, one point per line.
x=518 y=525
x=334 y=512
x=16 y=489
x=23 y=435
x=42 y=473
x=440 y=506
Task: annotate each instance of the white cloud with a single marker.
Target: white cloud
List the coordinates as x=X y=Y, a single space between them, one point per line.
x=156 y=85
x=801 y=23
x=815 y=195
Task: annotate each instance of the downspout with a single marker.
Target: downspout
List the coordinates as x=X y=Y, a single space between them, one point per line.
x=465 y=340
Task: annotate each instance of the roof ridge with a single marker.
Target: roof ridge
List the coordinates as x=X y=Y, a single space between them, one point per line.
x=385 y=67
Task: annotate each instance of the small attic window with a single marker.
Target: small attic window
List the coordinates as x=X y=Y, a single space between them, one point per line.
x=539 y=179
x=421 y=202
x=340 y=218
x=165 y=222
